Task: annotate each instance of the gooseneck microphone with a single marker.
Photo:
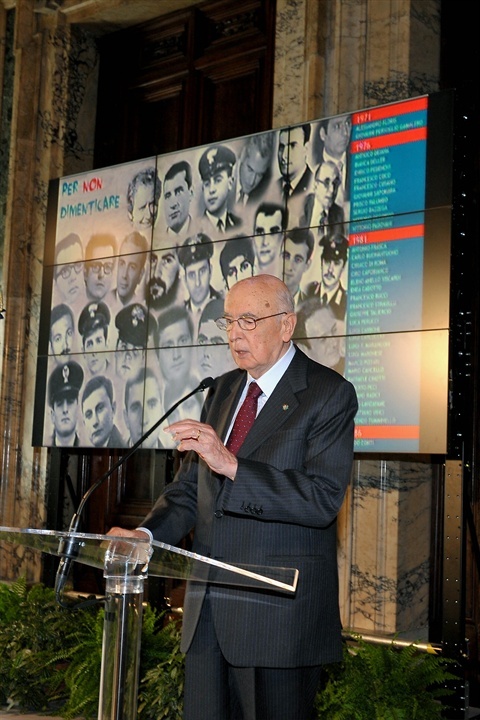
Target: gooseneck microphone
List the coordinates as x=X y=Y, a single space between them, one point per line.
x=68 y=548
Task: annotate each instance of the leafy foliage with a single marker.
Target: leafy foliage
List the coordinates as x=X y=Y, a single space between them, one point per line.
x=34 y=629
x=50 y=657
x=50 y=660
x=83 y=660
x=161 y=688
x=385 y=682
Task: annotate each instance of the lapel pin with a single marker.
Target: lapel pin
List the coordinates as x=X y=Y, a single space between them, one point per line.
x=285 y=407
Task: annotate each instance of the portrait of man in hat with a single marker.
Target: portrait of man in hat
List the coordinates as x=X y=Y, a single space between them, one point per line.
x=216 y=171
x=134 y=324
x=64 y=386
x=195 y=257
x=330 y=289
x=93 y=325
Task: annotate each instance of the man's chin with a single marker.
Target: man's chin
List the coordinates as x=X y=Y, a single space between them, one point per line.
x=63 y=433
x=98 y=441
x=175 y=223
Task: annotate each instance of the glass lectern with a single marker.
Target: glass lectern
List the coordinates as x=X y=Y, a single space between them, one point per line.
x=126 y=562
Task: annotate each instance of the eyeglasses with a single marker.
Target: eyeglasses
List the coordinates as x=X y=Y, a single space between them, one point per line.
x=328 y=182
x=97 y=267
x=66 y=270
x=244 y=322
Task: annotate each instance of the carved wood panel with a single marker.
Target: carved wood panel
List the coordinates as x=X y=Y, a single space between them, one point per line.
x=186 y=79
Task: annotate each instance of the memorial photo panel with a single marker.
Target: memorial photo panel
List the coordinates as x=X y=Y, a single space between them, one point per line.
x=139 y=257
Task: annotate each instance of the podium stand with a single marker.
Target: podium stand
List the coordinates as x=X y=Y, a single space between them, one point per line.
x=126 y=562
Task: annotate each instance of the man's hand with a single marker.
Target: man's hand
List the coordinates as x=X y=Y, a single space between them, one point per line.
x=126 y=550
x=122 y=532
x=202 y=438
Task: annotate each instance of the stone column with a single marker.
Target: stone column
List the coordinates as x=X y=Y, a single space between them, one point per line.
x=335 y=56
x=39 y=137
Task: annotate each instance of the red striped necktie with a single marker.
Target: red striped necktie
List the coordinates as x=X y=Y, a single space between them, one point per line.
x=245 y=418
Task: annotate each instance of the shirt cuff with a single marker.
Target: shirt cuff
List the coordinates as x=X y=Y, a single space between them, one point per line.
x=146 y=530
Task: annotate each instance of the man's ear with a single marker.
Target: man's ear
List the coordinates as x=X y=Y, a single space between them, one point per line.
x=289 y=324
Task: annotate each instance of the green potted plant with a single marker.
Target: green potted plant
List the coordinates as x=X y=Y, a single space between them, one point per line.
x=50 y=657
x=50 y=660
x=385 y=682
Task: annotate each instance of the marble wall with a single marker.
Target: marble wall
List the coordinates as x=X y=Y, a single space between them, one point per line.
x=330 y=56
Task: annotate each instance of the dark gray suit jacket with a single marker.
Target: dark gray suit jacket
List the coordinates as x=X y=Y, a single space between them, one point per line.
x=293 y=471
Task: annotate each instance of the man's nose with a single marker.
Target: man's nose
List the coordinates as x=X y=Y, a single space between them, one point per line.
x=235 y=331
